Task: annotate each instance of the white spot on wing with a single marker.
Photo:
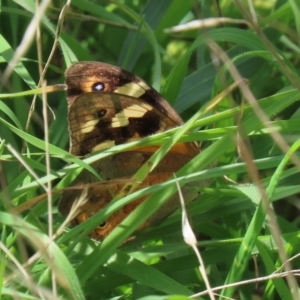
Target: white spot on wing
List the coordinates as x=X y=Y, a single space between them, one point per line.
x=133 y=111
x=133 y=89
x=89 y=126
x=119 y=120
x=104 y=145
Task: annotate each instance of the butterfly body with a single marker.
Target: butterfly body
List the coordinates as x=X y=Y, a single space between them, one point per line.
x=110 y=106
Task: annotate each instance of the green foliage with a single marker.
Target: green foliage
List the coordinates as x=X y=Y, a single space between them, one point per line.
x=247 y=227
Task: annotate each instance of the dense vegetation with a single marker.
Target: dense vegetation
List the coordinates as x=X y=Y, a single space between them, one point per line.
x=246 y=220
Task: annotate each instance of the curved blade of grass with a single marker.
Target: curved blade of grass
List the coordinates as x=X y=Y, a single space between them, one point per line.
x=42 y=241
x=127 y=265
x=233 y=35
x=5 y=109
x=151 y=38
x=7 y=52
x=277 y=283
x=29 y=5
x=240 y=37
x=244 y=252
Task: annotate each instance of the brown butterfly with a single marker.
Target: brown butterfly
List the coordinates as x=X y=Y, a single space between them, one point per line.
x=110 y=106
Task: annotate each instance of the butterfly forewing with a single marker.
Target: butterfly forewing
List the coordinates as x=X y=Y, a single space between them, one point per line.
x=85 y=77
x=97 y=119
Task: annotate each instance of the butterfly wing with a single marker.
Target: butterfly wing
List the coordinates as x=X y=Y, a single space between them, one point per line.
x=85 y=77
x=110 y=106
x=99 y=121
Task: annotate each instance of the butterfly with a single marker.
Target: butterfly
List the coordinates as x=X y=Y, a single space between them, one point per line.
x=108 y=106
